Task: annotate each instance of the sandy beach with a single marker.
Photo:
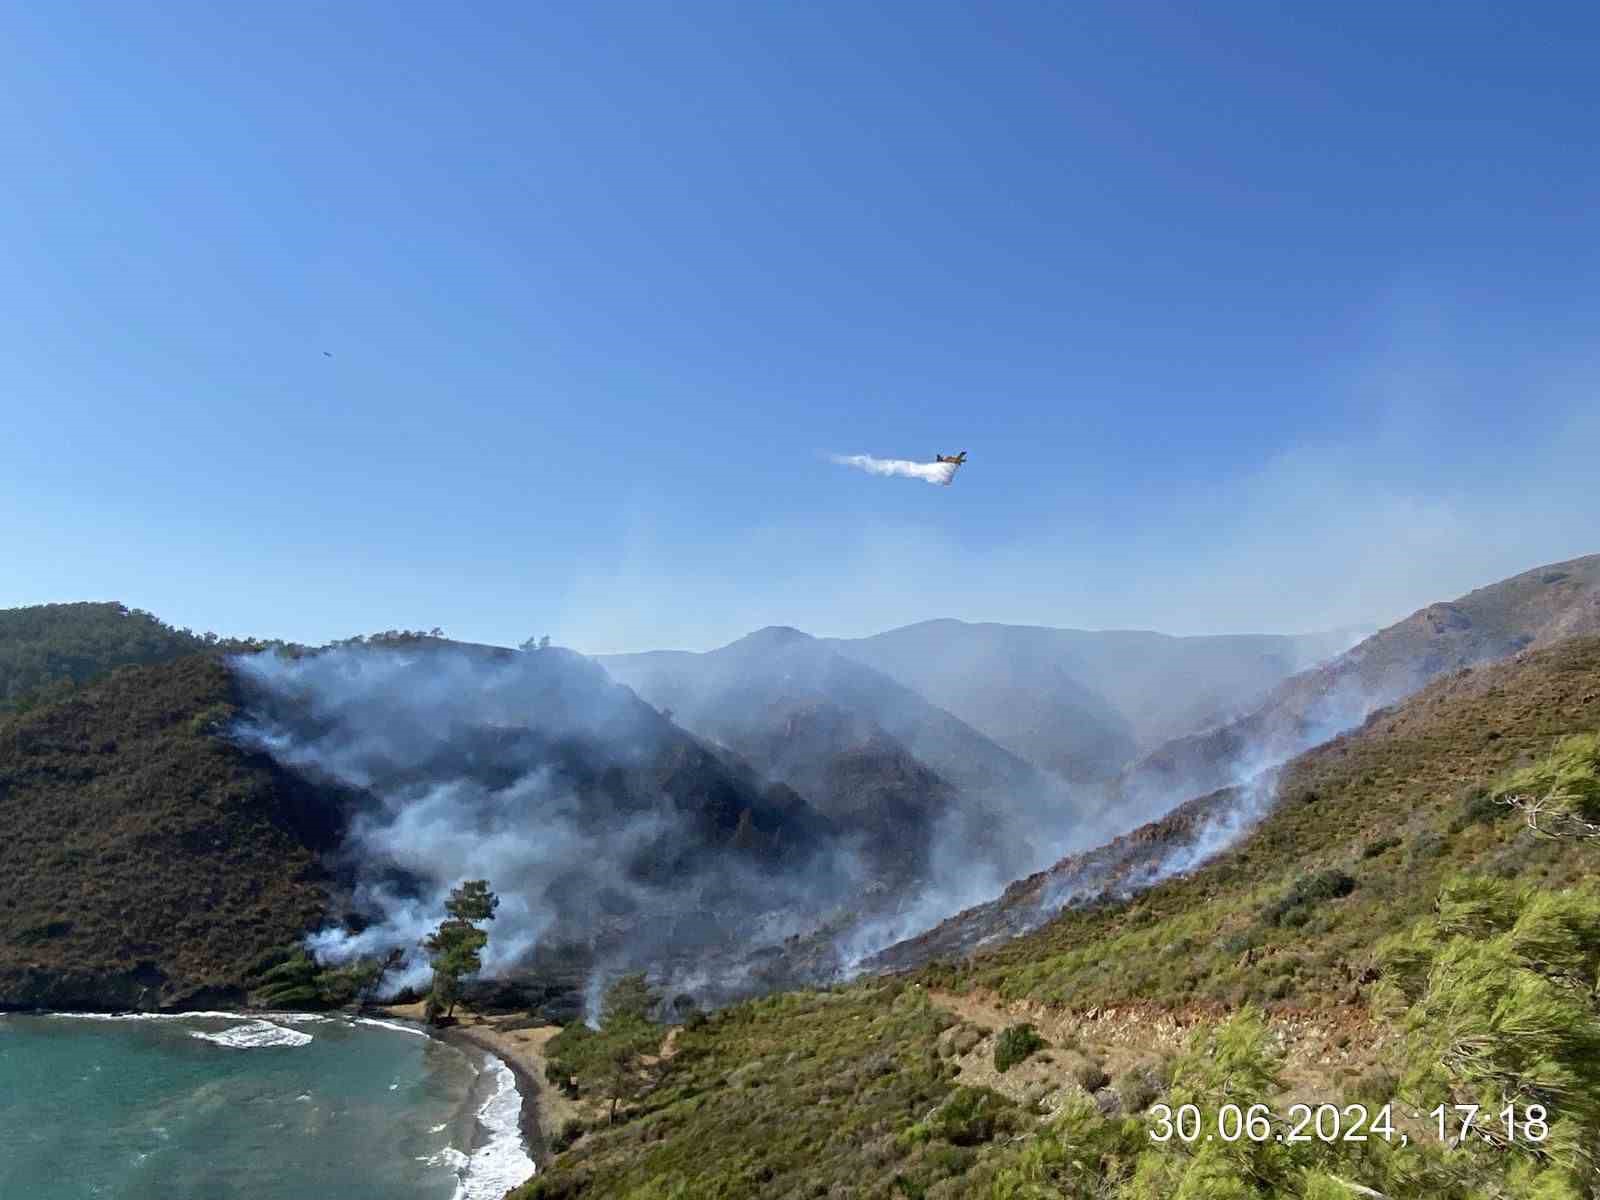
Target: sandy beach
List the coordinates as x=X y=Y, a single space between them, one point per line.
x=544 y=1109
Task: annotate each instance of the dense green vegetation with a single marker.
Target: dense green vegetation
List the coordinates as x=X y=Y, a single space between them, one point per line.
x=1486 y=995
x=297 y=980
x=1014 y=1045
x=146 y=860
x=1395 y=807
x=789 y=1096
x=49 y=650
x=611 y=1063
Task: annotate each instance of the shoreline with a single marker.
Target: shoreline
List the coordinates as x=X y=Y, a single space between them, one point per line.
x=533 y=1135
x=473 y=1037
x=543 y=1109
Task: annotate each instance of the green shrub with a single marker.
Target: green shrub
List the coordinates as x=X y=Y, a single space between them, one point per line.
x=1014 y=1045
x=1426 y=845
x=1237 y=943
x=1478 y=806
x=1138 y=1088
x=972 y=1116
x=1307 y=892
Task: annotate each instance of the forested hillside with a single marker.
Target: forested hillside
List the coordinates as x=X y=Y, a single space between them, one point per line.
x=47 y=650
x=145 y=860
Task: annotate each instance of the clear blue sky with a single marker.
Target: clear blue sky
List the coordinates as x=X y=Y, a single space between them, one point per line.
x=1252 y=316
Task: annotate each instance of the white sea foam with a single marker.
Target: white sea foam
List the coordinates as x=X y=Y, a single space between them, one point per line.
x=501 y=1162
x=254 y=1034
x=281 y=1018
x=394 y=1025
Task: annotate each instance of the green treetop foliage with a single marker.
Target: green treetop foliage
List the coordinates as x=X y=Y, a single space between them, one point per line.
x=1497 y=998
x=627 y=1000
x=608 y=1063
x=1560 y=795
x=299 y=981
x=472 y=901
x=455 y=948
x=1014 y=1045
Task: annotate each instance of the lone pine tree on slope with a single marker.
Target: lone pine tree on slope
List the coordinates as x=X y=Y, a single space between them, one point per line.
x=454 y=948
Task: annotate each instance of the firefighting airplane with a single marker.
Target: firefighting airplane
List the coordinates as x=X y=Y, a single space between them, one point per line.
x=958 y=459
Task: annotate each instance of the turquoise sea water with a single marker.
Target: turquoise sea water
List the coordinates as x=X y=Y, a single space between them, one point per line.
x=224 y=1107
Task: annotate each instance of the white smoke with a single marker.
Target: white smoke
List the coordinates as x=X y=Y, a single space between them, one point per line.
x=593 y=819
x=940 y=473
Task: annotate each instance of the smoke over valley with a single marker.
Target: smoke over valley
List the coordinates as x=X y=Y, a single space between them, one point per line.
x=790 y=809
x=615 y=839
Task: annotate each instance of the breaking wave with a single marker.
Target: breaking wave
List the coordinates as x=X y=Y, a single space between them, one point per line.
x=254 y=1034
x=501 y=1162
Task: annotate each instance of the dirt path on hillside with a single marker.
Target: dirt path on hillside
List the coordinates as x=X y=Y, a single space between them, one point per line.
x=1324 y=1050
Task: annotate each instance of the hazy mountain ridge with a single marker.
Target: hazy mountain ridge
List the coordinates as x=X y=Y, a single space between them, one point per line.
x=1527 y=611
x=1201 y=793
x=1085 y=703
x=736 y=695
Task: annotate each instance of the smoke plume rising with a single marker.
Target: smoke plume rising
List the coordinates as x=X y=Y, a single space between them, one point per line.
x=941 y=473
x=615 y=840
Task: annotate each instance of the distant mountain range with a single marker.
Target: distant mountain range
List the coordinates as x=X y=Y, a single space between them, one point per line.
x=1083 y=704
x=978 y=701
x=747 y=694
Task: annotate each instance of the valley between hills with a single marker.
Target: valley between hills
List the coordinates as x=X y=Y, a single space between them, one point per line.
x=909 y=937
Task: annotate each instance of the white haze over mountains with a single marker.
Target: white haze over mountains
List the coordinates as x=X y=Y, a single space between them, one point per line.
x=940 y=473
x=599 y=823
x=536 y=772
x=836 y=806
